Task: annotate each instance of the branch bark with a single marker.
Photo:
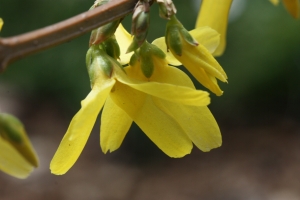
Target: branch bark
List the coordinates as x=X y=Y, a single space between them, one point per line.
x=17 y=47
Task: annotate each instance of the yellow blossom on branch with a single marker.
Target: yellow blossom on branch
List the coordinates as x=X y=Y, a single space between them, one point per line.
x=128 y=98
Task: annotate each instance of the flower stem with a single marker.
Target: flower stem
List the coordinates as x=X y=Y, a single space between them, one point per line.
x=17 y=47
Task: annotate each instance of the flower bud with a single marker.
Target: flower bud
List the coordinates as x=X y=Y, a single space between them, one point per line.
x=111 y=47
x=166 y=8
x=106 y=31
x=140 y=25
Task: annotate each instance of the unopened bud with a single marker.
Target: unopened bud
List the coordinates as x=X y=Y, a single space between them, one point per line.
x=140 y=25
x=104 y=32
x=166 y=8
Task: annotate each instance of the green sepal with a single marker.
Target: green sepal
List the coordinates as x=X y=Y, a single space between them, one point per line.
x=112 y=47
x=147 y=65
x=133 y=46
x=174 y=40
x=133 y=59
x=187 y=37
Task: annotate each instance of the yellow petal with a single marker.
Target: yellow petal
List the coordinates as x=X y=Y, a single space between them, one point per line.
x=115 y=123
x=215 y=15
x=124 y=40
x=197 y=122
x=293 y=7
x=80 y=128
x=206 y=36
x=12 y=162
x=274 y=2
x=204 y=78
x=173 y=93
x=160 y=42
x=163 y=130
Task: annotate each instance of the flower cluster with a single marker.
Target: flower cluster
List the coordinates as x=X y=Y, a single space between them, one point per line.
x=160 y=98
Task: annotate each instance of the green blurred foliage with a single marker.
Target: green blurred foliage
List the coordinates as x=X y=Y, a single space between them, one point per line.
x=262 y=59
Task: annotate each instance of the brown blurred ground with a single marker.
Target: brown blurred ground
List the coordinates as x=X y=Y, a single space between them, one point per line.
x=257 y=162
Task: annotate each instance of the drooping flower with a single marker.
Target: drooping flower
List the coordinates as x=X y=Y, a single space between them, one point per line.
x=215 y=15
x=126 y=99
x=17 y=156
x=293 y=6
x=194 y=54
x=162 y=120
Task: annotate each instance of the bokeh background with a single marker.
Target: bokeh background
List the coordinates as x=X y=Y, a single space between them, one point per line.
x=259 y=113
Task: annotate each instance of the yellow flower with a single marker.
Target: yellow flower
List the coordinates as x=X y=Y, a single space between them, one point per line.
x=128 y=98
x=293 y=6
x=17 y=156
x=194 y=55
x=215 y=15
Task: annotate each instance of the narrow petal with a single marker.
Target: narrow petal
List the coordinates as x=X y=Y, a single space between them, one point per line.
x=162 y=129
x=115 y=123
x=293 y=7
x=197 y=122
x=215 y=15
x=12 y=162
x=173 y=93
x=80 y=128
x=160 y=42
x=205 y=60
x=203 y=77
x=124 y=40
x=206 y=36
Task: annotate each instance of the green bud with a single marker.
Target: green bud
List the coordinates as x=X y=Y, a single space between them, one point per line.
x=140 y=25
x=166 y=8
x=12 y=131
x=104 y=32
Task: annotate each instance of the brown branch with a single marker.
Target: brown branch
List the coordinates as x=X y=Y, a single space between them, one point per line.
x=16 y=47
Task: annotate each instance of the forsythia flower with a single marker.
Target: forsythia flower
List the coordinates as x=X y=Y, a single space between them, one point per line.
x=214 y=13
x=194 y=55
x=17 y=156
x=151 y=104
x=293 y=6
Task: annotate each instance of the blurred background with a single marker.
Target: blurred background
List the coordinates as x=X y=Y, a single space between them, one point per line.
x=258 y=114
